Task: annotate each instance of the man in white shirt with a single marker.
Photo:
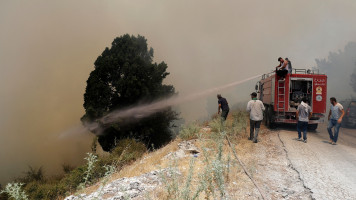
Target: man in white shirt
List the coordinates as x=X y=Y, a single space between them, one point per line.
x=336 y=113
x=255 y=108
x=304 y=113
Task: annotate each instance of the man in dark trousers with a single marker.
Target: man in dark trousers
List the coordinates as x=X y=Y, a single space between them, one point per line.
x=224 y=106
x=255 y=108
x=336 y=114
x=304 y=113
x=283 y=68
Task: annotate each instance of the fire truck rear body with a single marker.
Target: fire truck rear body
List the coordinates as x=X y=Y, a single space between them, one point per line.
x=281 y=98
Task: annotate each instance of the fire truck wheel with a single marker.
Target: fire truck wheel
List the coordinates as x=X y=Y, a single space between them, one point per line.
x=265 y=116
x=312 y=127
x=269 y=118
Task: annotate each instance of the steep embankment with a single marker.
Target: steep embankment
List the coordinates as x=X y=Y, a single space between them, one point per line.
x=203 y=167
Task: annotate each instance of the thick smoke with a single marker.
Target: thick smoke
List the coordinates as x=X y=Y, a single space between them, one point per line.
x=338 y=67
x=353 y=80
x=47 y=50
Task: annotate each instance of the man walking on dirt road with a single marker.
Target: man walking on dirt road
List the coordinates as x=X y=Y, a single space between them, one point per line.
x=224 y=106
x=256 y=108
x=337 y=113
x=304 y=113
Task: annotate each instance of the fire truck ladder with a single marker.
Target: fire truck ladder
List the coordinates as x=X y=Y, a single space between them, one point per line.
x=281 y=98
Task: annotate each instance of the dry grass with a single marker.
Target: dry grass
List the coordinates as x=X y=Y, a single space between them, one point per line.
x=236 y=183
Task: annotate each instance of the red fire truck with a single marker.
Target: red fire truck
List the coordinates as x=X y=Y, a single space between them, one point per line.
x=282 y=97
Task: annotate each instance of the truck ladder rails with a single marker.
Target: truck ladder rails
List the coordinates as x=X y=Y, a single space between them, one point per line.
x=281 y=95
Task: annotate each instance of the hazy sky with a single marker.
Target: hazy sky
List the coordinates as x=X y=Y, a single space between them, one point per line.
x=47 y=50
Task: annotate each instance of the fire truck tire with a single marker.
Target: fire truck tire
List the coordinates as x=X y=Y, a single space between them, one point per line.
x=269 y=118
x=312 y=127
x=265 y=116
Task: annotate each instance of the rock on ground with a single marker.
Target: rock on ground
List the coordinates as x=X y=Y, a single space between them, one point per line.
x=126 y=188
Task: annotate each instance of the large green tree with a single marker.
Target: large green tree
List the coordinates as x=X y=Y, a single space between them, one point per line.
x=125 y=76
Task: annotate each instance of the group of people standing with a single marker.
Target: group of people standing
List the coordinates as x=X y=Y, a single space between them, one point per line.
x=303 y=114
x=255 y=107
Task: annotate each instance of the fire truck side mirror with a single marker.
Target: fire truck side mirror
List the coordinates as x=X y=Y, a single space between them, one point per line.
x=256 y=87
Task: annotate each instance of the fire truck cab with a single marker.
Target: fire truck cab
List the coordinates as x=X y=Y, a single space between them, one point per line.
x=282 y=97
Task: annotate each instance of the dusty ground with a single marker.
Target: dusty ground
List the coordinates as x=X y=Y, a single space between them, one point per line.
x=271 y=167
x=290 y=169
x=329 y=171
x=283 y=167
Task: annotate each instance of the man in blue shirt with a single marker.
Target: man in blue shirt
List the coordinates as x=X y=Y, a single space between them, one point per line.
x=224 y=106
x=336 y=113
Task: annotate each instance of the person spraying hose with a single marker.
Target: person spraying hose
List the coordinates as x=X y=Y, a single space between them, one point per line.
x=224 y=106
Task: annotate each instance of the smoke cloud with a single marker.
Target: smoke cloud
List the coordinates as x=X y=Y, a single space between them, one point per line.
x=338 y=66
x=353 y=80
x=47 y=50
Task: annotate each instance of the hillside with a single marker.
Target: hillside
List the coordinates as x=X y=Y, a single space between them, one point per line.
x=201 y=165
x=198 y=164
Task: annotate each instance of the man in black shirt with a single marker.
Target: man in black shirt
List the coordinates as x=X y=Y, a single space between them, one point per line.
x=224 y=106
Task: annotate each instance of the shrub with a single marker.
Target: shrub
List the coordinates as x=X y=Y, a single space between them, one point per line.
x=128 y=150
x=189 y=132
x=13 y=190
x=216 y=125
x=72 y=180
x=36 y=186
x=32 y=174
x=91 y=160
x=40 y=190
x=67 y=168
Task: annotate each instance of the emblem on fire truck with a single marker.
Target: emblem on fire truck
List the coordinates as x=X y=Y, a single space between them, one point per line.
x=319 y=90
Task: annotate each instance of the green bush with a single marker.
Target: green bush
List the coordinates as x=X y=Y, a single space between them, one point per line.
x=15 y=191
x=40 y=190
x=38 y=187
x=31 y=175
x=216 y=125
x=67 y=168
x=189 y=132
x=71 y=181
x=128 y=150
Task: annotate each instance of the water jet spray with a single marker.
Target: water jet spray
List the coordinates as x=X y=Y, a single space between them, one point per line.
x=142 y=111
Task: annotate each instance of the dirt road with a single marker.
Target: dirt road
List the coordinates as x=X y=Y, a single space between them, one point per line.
x=327 y=171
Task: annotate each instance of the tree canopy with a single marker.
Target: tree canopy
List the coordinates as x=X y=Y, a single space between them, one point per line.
x=124 y=76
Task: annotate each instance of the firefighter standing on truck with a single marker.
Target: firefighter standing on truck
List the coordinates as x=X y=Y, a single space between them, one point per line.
x=283 y=68
x=256 y=108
